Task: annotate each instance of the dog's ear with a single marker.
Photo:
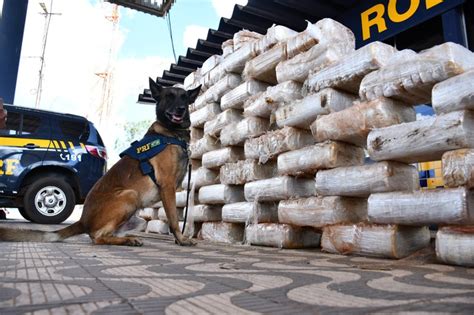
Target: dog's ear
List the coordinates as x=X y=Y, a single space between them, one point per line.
x=154 y=88
x=192 y=94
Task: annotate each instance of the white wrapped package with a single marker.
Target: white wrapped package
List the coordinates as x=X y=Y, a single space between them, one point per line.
x=325 y=155
x=215 y=92
x=321 y=211
x=262 y=105
x=190 y=81
x=157 y=226
x=217 y=158
x=206 y=213
x=212 y=77
x=454 y=94
x=221 y=194
x=227 y=47
x=250 y=212
x=458 y=168
x=279 y=188
x=455 y=245
x=181 y=198
x=411 y=80
x=301 y=113
x=237 y=133
x=208 y=112
x=206 y=144
x=210 y=63
x=201 y=177
x=275 y=34
x=236 y=97
x=196 y=134
x=235 y=62
x=162 y=214
x=246 y=171
x=361 y=181
x=281 y=236
x=353 y=124
x=423 y=140
x=329 y=31
x=318 y=57
x=229 y=116
x=148 y=214
x=271 y=144
x=244 y=37
x=262 y=67
x=347 y=73
x=388 y=241
x=425 y=207
x=222 y=232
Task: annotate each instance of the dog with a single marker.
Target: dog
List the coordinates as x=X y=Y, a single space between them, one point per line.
x=124 y=189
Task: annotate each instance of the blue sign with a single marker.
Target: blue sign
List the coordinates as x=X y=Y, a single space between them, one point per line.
x=378 y=20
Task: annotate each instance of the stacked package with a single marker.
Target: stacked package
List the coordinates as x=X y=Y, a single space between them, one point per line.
x=438 y=76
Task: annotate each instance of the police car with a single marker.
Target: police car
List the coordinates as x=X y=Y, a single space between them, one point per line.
x=48 y=162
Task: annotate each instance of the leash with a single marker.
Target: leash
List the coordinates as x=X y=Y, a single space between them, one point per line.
x=187 y=198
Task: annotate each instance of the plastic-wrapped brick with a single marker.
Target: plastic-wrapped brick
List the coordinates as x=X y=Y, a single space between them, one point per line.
x=388 y=241
x=325 y=155
x=455 y=245
x=246 y=171
x=329 y=31
x=458 y=168
x=354 y=123
x=162 y=214
x=244 y=37
x=454 y=94
x=236 y=97
x=411 y=80
x=201 y=177
x=206 y=144
x=216 y=91
x=227 y=47
x=210 y=63
x=301 y=113
x=181 y=198
x=262 y=105
x=281 y=236
x=424 y=207
x=279 y=188
x=229 y=116
x=221 y=194
x=423 y=140
x=237 y=133
x=262 y=67
x=318 y=57
x=235 y=62
x=217 y=158
x=208 y=112
x=321 y=211
x=347 y=73
x=157 y=226
x=361 y=181
x=222 y=232
x=272 y=143
x=206 y=213
x=274 y=35
x=250 y=212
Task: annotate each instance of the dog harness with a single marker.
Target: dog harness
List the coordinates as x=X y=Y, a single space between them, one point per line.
x=146 y=148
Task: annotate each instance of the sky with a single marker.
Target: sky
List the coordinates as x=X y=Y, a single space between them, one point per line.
x=82 y=45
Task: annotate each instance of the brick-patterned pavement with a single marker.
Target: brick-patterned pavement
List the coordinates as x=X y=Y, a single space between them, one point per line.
x=161 y=277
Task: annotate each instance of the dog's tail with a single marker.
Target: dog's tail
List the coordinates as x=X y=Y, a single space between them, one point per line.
x=20 y=235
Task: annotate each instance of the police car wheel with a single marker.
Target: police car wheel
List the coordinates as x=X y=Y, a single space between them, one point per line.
x=49 y=200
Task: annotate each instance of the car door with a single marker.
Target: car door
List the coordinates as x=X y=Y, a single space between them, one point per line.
x=23 y=144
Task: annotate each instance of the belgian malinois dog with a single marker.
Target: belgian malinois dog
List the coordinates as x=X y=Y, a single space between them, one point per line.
x=124 y=189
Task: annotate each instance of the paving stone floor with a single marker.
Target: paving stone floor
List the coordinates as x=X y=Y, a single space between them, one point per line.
x=76 y=277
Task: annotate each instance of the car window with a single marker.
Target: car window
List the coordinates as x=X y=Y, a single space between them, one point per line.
x=31 y=124
x=13 y=125
x=73 y=129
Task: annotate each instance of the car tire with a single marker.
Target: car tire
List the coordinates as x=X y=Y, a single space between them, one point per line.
x=49 y=200
x=23 y=213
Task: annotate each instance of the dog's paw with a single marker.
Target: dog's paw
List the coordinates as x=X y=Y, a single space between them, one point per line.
x=186 y=242
x=133 y=241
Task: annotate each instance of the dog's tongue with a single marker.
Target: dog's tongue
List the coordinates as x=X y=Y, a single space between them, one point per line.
x=177 y=119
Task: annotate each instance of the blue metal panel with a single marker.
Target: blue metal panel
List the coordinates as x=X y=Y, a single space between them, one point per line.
x=453 y=26
x=353 y=18
x=12 y=24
